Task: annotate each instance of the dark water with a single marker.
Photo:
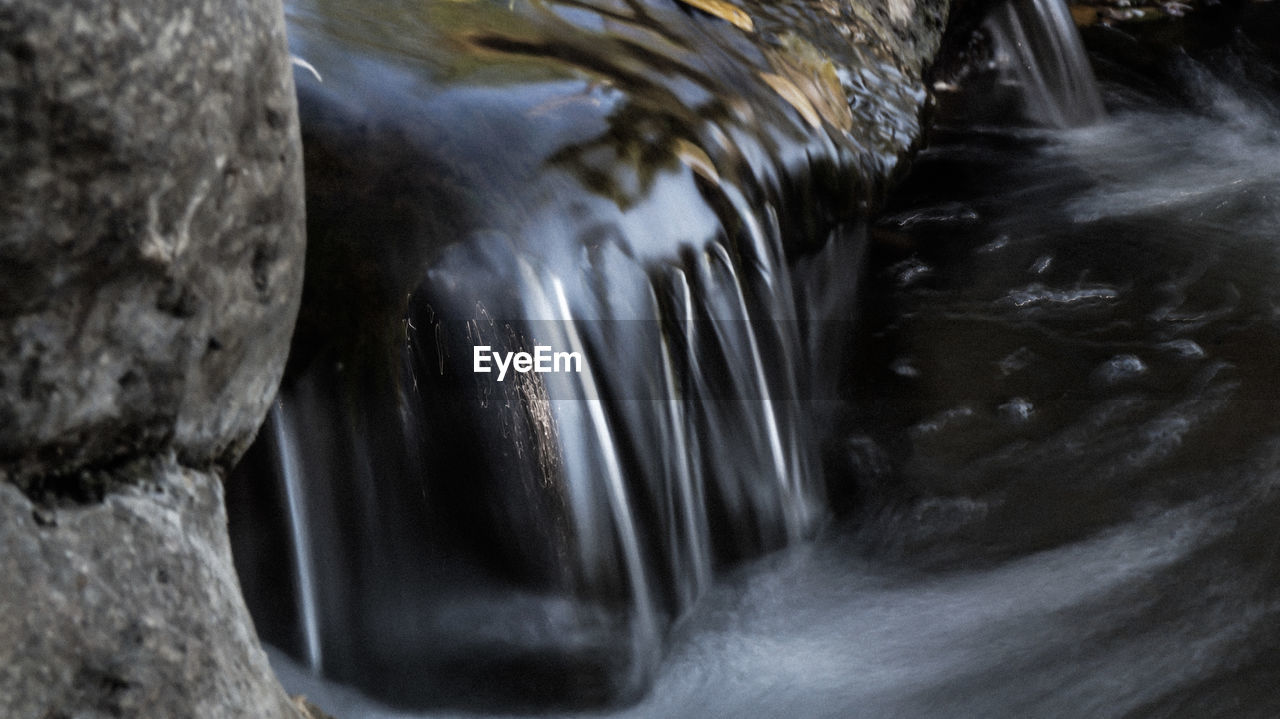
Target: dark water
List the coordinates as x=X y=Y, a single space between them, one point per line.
x=628 y=180
x=1061 y=475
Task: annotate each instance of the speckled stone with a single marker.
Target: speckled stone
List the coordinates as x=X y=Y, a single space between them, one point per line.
x=128 y=607
x=151 y=250
x=151 y=234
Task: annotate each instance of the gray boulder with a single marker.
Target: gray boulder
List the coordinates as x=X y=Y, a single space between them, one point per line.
x=128 y=607
x=150 y=229
x=151 y=242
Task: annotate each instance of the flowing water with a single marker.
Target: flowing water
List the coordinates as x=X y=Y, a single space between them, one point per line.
x=285 y=441
x=1056 y=445
x=1036 y=45
x=621 y=182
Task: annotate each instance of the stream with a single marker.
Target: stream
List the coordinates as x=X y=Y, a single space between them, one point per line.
x=1056 y=445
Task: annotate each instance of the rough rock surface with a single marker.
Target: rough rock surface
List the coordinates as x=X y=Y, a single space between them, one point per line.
x=150 y=229
x=128 y=607
x=151 y=245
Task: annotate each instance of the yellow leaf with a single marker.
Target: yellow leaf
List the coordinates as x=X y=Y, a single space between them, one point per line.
x=696 y=159
x=808 y=80
x=793 y=95
x=724 y=11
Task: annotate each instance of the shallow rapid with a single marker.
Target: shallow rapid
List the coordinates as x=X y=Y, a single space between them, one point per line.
x=1064 y=456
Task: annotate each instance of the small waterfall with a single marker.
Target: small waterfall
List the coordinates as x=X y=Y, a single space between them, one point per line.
x=1038 y=45
x=1065 y=457
x=596 y=181
x=560 y=517
x=288 y=466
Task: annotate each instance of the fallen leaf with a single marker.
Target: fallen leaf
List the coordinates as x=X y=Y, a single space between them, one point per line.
x=724 y=11
x=696 y=159
x=793 y=95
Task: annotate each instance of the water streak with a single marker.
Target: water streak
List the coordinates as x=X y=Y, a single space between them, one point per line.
x=1037 y=43
x=626 y=181
x=286 y=445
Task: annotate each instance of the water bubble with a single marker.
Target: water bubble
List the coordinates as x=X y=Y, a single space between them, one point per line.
x=995 y=245
x=1018 y=409
x=1183 y=348
x=1121 y=367
x=1016 y=361
x=904 y=368
x=909 y=271
x=942 y=420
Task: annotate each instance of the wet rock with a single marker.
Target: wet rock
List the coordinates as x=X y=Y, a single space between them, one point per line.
x=1147 y=45
x=151 y=248
x=1111 y=12
x=503 y=171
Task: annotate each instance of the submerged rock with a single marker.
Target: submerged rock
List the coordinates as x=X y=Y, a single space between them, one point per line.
x=151 y=245
x=629 y=180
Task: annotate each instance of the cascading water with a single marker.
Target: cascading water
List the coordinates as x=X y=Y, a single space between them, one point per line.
x=1037 y=46
x=622 y=185
x=1062 y=437
x=285 y=442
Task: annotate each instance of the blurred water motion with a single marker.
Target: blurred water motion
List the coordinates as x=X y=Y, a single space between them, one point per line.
x=1057 y=435
x=1039 y=50
x=623 y=181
